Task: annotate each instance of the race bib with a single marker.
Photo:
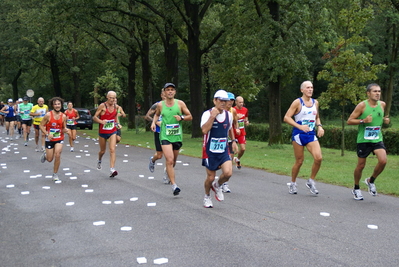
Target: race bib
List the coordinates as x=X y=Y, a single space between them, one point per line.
x=109 y=125
x=70 y=122
x=310 y=123
x=55 y=132
x=372 y=132
x=241 y=124
x=26 y=112
x=173 y=129
x=218 y=145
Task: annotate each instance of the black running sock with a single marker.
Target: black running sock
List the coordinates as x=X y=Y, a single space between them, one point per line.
x=357 y=187
x=372 y=179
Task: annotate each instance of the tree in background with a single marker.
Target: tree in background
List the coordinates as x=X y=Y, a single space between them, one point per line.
x=346 y=69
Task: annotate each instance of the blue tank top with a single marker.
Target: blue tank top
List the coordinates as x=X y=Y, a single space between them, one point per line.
x=215 y=141
x=11 y=112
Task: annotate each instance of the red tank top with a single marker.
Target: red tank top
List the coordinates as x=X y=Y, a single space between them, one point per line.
x=54 y=127
x=109 y=117
x=70 y=116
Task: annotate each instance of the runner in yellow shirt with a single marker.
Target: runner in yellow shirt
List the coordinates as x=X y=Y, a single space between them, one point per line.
x=38 y=111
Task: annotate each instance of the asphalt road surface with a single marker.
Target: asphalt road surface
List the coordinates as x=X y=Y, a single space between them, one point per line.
x=133 y=219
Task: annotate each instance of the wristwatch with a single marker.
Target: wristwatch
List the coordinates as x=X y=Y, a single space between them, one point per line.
x=182 y=117
x=321 y=125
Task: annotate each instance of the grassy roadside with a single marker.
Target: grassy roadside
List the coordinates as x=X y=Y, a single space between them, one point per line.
x=335 y=169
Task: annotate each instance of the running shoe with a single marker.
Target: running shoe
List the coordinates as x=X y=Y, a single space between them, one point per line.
x=238 y=163
x=26 y=143
x=312 y=186
x=113 y=173
x=218 y=192
x=99 y=165
x=55 y=177
x=208 y=202
x=151 y=165
x=292 y=188
x=357 y=194
x=225 y=188
x=71 y=149
x=43 y=148
x=371 y=187
x=176 y=190
x=165 y=178
x=37 y=149
x=43 y=157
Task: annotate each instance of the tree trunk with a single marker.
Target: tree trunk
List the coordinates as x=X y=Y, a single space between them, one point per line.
x=275 y=130
x=77 y=101
x=171 y=58
x=146 y=68
x=14 y=84
x=131 y=88
x=55 y=71
x=195 y=70
x=343 y=131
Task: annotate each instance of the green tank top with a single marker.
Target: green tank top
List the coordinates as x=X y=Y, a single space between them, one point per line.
x=171 y=129
x=371 y=132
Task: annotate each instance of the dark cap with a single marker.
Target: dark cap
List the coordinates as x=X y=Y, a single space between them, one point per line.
x=25 y=98
x=169 y=84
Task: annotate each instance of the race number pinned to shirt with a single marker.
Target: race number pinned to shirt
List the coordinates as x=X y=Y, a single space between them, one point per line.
x=109 y=125
x=173 y=129
x=70 y=122
x=218 y=145
x=310 y=123
x=55 y=132
x=241 y=124
x=372 y=132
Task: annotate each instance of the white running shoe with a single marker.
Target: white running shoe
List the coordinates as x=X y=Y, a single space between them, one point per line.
x=112 y=173
x=208 y=202
x=176 y=190
x=218 y=191
x=225 y=188
x=43 y=157
x=371 y=187
x=71 y=149
x=55 y=177
x=357 y=194
x=165 y=178
x=292 y=188
x=312 y=186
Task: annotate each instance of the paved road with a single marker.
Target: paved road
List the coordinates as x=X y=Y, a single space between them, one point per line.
x=258 y=224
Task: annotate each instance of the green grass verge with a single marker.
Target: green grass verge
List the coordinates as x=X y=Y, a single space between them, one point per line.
x=335 y=169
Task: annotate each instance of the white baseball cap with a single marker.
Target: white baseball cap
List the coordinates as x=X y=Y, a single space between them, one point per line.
x=222 y=95
x=10 y=100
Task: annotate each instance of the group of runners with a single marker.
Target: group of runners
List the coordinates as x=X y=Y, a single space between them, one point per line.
x=369 y=115
x=223 y=127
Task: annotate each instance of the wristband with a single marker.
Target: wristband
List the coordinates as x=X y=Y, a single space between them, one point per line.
x=319 y=125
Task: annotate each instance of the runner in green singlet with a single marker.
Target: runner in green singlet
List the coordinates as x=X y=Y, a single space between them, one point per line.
x=173 y=112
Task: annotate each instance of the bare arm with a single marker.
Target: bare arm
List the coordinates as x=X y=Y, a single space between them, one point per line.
x=357 y=112
x=43 y=123
x=207 y=126
x=184 y=111
x=156 y=116
x=320 y=130
x=149 y=115
x=98 y=113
